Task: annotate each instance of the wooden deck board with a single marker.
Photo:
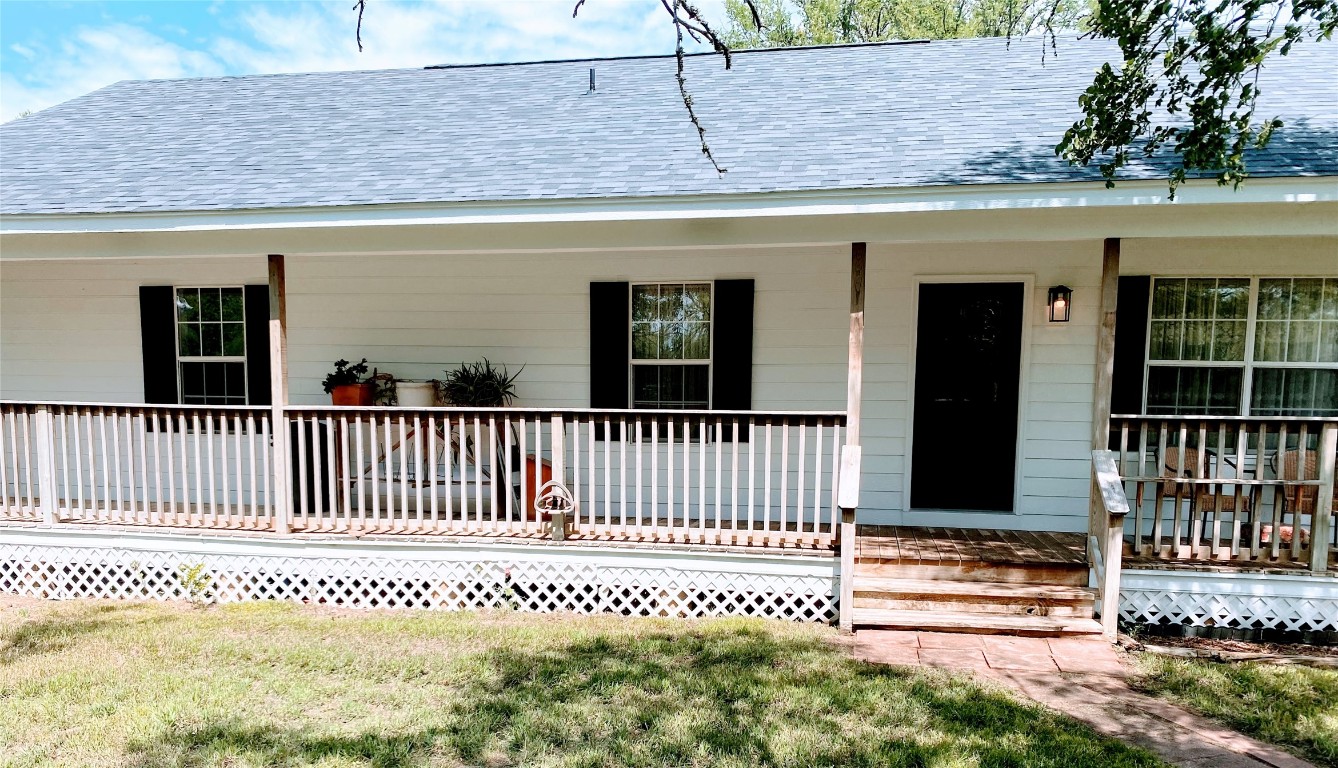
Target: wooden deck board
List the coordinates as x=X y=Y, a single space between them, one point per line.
x=912 y=544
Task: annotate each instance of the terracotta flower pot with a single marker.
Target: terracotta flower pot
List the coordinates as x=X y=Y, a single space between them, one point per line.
x=353 y=394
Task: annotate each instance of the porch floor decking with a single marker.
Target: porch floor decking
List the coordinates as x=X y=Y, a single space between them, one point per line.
x=910 y=544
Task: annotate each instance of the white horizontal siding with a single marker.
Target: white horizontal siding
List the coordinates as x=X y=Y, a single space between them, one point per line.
x=416 y=316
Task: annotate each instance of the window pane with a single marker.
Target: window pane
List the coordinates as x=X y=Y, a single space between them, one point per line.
x=645 y=386
x=671 y=341
x=192 y=381
x=1166 y=335
x=696 y=386
x=1199 y=298
x=645 y=340
x=214 y=382
x=188 y=339
x=232 y=305
x=211 y=340
x=209 y=304
x=1274 y=299
x=1198 y=340
x=1233 y=299
x=645 y=302
x=1306 y=298
x=1193 y=390
x=1270 y=341
x=1330 y=308
x=697 y=298
x=1229 y=340
x=188 y=304
x=234 y=339
x=671 y=385
x=697 y=341
x=234 y=381
x=1328 y=343
x=1168 y=299
x=1303 y=342
x=1294 y=392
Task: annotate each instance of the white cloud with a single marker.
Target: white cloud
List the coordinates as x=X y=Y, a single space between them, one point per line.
x=308 y=37
x=95 y=57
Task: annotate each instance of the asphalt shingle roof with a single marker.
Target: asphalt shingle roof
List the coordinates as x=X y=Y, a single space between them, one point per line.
x=940 y=113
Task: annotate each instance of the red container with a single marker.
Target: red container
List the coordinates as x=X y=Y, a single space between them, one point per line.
x=353 y=394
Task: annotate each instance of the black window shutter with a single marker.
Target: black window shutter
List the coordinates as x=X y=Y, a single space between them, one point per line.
x=158 y=343
x=610 y=339
x=1131 y=329
x=257 y=344
x=732 y=355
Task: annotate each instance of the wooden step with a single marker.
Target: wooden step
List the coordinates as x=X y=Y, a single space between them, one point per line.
x=910 y=588
x=976 y=623
x=1057 y=574
x=974 y=597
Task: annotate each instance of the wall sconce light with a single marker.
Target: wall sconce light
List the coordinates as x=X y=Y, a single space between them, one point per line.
x=1060 y=300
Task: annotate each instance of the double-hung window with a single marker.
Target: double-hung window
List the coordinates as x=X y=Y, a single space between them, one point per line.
x=671 y=345
x=211 y=345
x=1243 y=346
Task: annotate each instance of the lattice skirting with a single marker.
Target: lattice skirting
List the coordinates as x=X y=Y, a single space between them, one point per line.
x=437 y=575
x=1237 y=600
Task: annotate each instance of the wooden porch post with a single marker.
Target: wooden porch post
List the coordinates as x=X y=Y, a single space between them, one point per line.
x=1100 y=525
x=278 y=390
x=850 y=461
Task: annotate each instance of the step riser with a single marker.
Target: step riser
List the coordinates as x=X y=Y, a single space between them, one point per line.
x=975 y=623
x=1068 y=576
x=1082 y=611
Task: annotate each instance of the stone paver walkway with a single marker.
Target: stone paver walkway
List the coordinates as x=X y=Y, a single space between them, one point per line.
x=1085 y=679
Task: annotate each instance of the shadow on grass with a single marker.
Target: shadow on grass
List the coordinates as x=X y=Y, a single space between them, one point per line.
x=739 y=698
x=50 y=635
x=1284 y=704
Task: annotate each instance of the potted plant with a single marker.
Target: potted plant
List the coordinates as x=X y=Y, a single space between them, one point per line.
x=347 y=384
x=415 y=394
x=479 y=385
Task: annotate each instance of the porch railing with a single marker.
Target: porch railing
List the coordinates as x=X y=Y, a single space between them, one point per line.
x=745 y=478
x=1226 y=488
x=691 y=476
x=174 y=466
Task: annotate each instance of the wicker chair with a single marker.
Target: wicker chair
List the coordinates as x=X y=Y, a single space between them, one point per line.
x=1202 y=497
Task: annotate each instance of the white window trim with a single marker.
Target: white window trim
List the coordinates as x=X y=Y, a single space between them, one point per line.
x=708 y=361
x=176 y=343
x=1249 y=364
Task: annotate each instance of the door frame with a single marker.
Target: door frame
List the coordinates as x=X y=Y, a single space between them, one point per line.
x=1028 y=281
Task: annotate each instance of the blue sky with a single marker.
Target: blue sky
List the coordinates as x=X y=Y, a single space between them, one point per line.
x=54 y=51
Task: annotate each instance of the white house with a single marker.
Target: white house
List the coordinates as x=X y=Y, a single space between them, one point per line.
x=895 y=272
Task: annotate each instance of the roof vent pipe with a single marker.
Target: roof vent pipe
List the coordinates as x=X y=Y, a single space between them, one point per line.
x=592 y=80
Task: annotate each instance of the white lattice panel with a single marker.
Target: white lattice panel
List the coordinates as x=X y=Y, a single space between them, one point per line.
x=529 y=584
x=1239 y=601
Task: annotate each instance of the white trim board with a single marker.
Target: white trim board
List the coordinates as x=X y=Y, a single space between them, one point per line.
x=824 y=203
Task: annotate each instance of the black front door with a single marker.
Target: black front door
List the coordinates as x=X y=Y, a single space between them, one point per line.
x=968 y=355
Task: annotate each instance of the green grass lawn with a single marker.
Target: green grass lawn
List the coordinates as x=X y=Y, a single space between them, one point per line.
x=1292 y=706
x=97 y=684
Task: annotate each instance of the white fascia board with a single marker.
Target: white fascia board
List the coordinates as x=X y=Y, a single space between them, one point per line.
x=992 y=197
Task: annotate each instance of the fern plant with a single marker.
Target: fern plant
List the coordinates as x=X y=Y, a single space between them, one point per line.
x=479 y=385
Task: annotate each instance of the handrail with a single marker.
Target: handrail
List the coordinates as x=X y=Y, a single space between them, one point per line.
x=1110 y=484
x=562 y=409
x=1216 y=418
x=1109 y=542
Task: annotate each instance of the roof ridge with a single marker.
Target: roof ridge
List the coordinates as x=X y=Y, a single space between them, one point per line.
x=733 y=52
